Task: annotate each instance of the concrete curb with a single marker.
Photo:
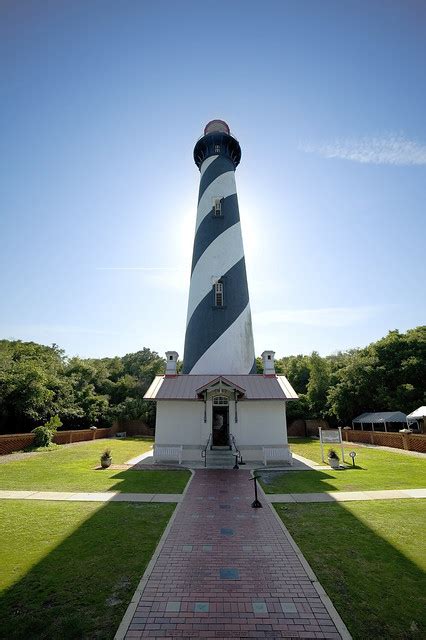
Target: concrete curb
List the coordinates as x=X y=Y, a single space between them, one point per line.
x=325 y=599
x=130 y=611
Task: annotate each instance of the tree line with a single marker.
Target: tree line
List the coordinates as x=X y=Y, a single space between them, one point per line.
x=38 y=382
x=387 y=375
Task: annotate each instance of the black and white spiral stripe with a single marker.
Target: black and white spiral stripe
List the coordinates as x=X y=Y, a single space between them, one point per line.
x=218 y=339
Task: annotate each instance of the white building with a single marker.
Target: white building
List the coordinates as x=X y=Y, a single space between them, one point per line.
x=219 y=401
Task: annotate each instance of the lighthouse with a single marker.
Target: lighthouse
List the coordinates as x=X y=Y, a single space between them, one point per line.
x=219 y=401
x=219 y=335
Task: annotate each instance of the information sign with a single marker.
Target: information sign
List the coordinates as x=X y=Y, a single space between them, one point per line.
x=331 y=436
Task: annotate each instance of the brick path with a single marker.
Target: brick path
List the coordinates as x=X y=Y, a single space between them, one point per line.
x=226 y=570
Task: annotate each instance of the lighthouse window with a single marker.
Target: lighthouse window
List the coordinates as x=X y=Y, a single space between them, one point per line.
x=218 y=294
x=217 y=148
x=217 y=206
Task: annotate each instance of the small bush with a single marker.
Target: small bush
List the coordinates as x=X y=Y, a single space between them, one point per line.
x=43 y=436
x=106 y=454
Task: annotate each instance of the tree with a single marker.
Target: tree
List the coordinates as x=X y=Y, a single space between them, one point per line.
x=318 y=385
x=297 y=369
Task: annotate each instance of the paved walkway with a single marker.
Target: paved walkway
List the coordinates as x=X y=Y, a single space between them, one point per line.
x=225 y=570
x=299 y=464
x=346 y=496
x=95 y=496
x=116 y=496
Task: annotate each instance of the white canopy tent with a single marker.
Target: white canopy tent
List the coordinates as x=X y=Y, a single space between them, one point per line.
x=417 y=415
x=380 y=418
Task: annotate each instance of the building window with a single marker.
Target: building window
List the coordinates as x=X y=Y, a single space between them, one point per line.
x=217 y=206
x=218 y=294
x=217 y=148
x=170 y=357
x=220 y=401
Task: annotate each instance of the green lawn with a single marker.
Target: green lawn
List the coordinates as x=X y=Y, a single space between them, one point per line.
x=73 y=468
x=69 y=570
x=375 y=469
x=369 y=556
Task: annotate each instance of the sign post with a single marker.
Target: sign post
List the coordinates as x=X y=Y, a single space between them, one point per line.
x=331 y=436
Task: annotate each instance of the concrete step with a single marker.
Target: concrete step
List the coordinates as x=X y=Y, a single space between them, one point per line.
x=220 y=459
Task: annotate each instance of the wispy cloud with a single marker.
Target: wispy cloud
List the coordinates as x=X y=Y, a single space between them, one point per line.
x=394 y=149
x=325 y=317
x=169 y=278
x=139 y=269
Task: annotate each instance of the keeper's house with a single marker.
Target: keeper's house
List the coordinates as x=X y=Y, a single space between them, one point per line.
x=202 y=410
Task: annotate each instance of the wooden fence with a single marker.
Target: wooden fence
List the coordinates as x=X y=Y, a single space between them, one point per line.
x=408 y=441
x=18 y=441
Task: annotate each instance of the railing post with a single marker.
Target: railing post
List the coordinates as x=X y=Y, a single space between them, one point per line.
x=256 y=504
x=204 y=451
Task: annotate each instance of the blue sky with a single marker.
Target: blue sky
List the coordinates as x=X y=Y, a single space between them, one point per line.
x=101 y=103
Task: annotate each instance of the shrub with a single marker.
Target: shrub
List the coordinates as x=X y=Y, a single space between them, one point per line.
x=44 y=434
x=106 y=454
x=332 y=454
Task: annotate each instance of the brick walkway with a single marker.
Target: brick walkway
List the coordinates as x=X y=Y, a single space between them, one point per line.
x=226 y=570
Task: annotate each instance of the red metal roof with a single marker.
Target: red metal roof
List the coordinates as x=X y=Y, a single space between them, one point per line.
x=255 y=387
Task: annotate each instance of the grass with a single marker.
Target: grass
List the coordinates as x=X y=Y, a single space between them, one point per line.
x=375 y=469
x=73 y=468
x=69 y=570
x=369 y=556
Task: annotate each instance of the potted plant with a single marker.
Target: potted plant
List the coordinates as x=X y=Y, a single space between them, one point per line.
x=106 y=459
x=333 y=459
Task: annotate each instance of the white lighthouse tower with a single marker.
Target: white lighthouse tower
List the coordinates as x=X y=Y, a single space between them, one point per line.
x=218 y=401
x=219 y=334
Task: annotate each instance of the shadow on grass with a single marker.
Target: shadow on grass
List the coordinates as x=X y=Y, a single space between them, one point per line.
x=290 y=481
x=149 y=480
x=377 y=589
x=82 y=587
x=75 y=467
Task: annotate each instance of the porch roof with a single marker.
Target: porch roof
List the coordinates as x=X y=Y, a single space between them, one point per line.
x=253 y=386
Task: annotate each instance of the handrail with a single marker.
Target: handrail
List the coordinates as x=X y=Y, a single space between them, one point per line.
x=234 y=445
x=204 y=451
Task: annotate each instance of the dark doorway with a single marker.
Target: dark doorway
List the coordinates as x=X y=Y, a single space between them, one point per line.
x=220 y=426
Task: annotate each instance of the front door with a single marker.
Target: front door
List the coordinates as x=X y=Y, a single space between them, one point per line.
x=220 y=426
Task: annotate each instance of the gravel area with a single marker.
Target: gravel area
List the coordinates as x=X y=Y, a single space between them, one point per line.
x=14 y=457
